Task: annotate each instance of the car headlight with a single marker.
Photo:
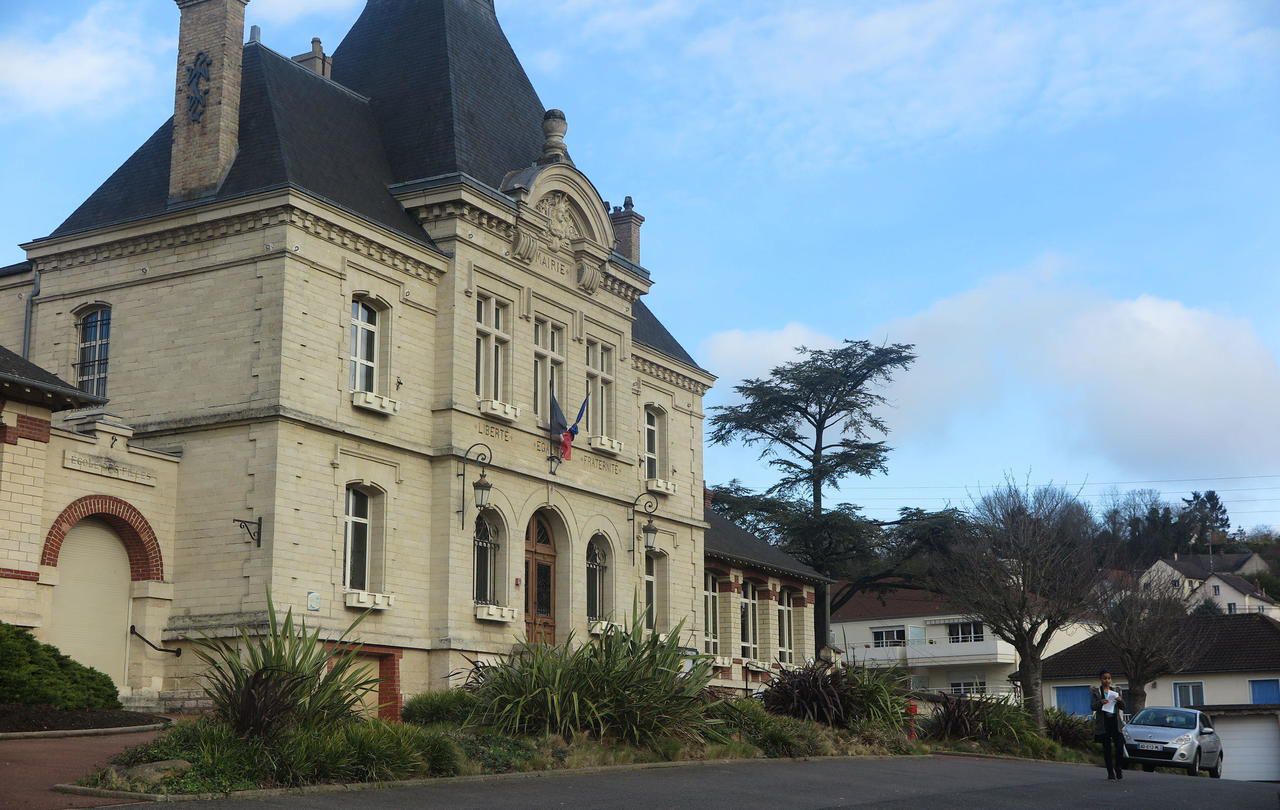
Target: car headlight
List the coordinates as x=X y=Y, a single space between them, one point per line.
x=1183 y=740
x=1127 y=734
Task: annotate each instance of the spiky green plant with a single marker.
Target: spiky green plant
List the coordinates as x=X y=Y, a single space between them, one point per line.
x=287 y=676
x=840 y=697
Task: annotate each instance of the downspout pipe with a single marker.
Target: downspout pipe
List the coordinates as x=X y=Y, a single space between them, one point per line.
x=28 y=314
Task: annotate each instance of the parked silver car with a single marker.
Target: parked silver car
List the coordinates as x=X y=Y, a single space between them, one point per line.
x=1176 y=738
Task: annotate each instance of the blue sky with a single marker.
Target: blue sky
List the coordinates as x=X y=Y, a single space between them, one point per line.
x=1069 y=207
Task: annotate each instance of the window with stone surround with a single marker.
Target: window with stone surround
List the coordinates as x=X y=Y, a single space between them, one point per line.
x=655 y=441
x=650 y=590
x=711 y=613
x=487 y=552
x=598 y=597
x=94 y=344
x=548 y=365
x=362 y=544
x=365 y=345
x=493 y=347
x=786 y=628
x=749 y=608
x=599 y=388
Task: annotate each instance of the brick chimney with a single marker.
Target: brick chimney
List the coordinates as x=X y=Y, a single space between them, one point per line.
x=315 y=60
x=626 y=227
x=206 y=111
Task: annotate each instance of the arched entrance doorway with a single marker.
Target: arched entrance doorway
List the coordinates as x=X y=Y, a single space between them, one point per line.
x=540 y=581
x=90 y=616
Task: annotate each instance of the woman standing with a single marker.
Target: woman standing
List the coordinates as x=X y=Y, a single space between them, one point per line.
x=1107 y=706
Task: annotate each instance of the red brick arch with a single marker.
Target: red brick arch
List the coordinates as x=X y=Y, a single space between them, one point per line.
x=134 y=530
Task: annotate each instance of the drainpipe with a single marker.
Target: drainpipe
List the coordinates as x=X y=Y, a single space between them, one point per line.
x=27 y=314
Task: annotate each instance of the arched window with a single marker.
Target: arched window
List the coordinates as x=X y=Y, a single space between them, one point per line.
x=750 y=607
x=94 y=342
x=711 y=609
x=786 y=629
x=365 y=346
x=358 y=541
x=597 y=579
x=655 y=443
x=487 y=550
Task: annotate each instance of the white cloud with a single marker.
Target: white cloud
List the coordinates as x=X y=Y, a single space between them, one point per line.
x=286 y=11
x=611 y=24
x=107 y=56
x=1149 y=384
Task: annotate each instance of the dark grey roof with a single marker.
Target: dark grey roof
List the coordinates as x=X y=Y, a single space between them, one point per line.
x=449 y=93
x=648 y=331
x=296 y=129
x=1244 y=586
x=1241 y=643
x=24 y=381
x=729 y=541
x=15 y=269
x=1196 y=566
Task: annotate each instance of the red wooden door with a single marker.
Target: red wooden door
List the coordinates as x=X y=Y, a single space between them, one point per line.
x=540 y=582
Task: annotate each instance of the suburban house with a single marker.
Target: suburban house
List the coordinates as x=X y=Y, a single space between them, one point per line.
x=335 y=308
x=1189 y=571
x=1236 y=678
x=938 y=646
x=1233 y=594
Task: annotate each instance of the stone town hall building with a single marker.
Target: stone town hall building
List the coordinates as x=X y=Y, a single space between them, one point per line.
x=261 y=355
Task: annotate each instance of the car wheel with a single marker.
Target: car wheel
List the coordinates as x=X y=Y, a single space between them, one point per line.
x=1194 y=768
x=1216 y=771
x=1148 y=768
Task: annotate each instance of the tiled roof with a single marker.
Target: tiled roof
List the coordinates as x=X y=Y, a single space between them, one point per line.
x=649 y=332
x=1241 y=643
x=1196 y=566
x=296 y=129
x=1245 y=586
x=24 y=381
x=727 y=540
x=898 y=603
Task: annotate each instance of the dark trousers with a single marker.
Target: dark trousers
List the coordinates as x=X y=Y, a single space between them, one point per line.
x=1112 y=750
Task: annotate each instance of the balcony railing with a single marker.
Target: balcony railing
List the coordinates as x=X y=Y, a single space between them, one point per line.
x=935 y=651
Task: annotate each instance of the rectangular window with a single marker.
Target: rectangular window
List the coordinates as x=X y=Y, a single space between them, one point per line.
x=364 y=347
x=356 y=557
x=1231 y=608
x=599 y=418
x=1265 y=691
x=1074 y=700
x=967 y=684
x=786 y=630
x=1217 y=590
x=889 y=636
x=94 y=351
x=964 y=632
x=919 y=683
x=750 y=615
x=493 y=345
x=650 y=592
x=711 y=612
x=653 y=444
x=1190 y=693
x=548 y=365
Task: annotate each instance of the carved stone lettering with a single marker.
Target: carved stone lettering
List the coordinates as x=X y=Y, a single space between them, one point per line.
x=493 y=431
x=108 y=467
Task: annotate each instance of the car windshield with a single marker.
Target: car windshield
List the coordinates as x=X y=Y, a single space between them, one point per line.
x=1165 y=718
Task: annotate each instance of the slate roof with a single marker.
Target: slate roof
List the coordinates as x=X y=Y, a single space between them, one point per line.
x=296 y=129
x=1246 y=587
x=1242 y=643
x=24 y=381
x=15 y=269
x=1196 y=566
x=892 y=604
x=727 y=540
x=648 y=331
x=448 y=92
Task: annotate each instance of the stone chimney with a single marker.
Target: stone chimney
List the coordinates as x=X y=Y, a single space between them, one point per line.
x=626 y=227
x=206 y=112
x=314 y=60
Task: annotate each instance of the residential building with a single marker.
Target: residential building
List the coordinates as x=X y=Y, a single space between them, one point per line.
x=937 y=645
x=1189 y=571
x=1233 y=594
x=1237 y=673
x=323 y=301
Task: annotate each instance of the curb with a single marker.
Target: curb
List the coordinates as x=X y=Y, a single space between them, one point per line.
x=80 y=790
x=82 y=732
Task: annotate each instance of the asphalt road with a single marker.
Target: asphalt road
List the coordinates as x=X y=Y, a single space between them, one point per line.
x=909 y=782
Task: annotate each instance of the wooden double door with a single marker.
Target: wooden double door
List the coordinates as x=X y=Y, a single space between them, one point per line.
x=540 y=582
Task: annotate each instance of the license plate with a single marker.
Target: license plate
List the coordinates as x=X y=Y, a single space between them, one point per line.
x=1150 y=747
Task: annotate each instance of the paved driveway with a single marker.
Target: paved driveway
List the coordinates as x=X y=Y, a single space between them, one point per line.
x=28 y=768
x=915 y=783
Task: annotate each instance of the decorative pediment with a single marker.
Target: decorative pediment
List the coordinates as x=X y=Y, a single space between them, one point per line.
x=562 y=229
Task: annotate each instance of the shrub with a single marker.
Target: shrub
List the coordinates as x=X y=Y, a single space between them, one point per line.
x=628 y=684
x=451 y=706
x=495 y=753
x=35 y=674
x=285 y=677
x=837 y=697
x=997 y=721
x=1068 y=729
x=791 y=737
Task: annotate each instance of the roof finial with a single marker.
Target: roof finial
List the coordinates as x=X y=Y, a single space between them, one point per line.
x=554 y=126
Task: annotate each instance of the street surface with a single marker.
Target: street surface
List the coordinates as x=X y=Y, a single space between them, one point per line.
x=915 y=783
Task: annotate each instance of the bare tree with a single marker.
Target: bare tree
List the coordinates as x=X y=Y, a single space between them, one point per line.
x=1025 y=568
x=1149 y=629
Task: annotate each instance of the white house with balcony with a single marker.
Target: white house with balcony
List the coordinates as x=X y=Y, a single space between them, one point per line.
x=938 y=646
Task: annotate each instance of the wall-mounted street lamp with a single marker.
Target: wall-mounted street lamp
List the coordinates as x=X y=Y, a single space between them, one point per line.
x=482 y=486
x=649 y=530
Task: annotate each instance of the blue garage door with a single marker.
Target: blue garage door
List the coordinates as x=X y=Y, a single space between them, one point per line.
x=1264 y=691
x=1073 y=699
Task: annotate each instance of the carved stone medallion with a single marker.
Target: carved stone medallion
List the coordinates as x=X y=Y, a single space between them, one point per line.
x=561 y=227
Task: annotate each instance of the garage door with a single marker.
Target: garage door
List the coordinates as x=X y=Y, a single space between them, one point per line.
x=1251 y=746
x=90 y=620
